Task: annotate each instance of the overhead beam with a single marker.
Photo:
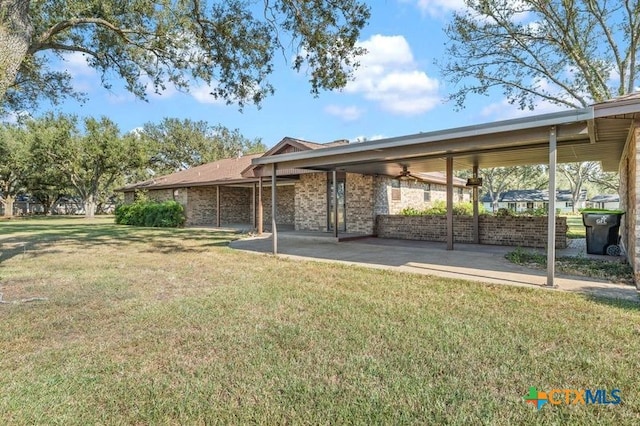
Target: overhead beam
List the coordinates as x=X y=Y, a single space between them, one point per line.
x=593 y=136
x=328 y=158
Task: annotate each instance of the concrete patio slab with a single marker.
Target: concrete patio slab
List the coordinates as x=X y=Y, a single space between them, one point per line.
x=480 y=263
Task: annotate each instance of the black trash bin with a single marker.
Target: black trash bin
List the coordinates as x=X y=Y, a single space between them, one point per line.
x=603 y=227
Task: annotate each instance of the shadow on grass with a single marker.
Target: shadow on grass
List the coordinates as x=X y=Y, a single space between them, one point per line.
x=614 y=300
x=32 y=236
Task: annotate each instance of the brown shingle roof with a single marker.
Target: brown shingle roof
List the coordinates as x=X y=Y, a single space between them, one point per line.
x=296 y=144
x=222 y=171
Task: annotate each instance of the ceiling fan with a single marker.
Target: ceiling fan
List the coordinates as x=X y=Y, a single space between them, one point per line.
x=405 y=174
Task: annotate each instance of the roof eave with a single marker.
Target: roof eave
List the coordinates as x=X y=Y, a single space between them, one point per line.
x=533 y=122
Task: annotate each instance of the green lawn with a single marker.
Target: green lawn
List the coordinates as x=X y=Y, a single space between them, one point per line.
x=576 y=227
x=149 y=326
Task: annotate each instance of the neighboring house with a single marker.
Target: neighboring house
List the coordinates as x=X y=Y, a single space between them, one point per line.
x=604 y=201
x=532 y=199
x=228 y=192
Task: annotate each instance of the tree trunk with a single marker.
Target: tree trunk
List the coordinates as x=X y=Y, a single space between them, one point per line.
x=90 y=206
x=8 y=206
x=15 y=38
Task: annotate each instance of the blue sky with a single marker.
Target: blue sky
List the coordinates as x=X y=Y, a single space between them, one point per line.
x=397 y=91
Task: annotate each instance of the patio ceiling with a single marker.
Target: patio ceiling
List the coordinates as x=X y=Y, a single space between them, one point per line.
x=597 y=133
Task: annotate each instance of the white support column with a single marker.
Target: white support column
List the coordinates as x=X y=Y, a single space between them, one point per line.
x=218 y=206
x=253 y=206
x=476 y=213
x=274 y=230
x=260 y=209
x=551 y=214
x=334 y=195
x=449 y=203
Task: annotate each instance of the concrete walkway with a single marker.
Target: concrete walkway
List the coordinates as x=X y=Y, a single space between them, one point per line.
x=481 y=263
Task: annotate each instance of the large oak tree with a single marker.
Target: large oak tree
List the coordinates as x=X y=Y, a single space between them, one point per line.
x=570 y=53
x=228 y=45
x=90 y=160
x=567 y=52
x=176 y=144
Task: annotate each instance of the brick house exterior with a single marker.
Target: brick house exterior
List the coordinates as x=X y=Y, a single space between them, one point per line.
x=629 y=198
x=303 y=197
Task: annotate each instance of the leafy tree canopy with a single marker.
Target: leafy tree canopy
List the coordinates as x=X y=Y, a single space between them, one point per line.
x=179 y=144
x=90 y=160
x=228 y=45
x=569 y=53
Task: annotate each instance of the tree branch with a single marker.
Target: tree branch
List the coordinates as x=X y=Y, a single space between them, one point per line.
x=43 y=41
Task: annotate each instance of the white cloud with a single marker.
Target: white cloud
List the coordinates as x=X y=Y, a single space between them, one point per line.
x=169 y=91
x=348 y=113
x=503 y=110
x=389 y=76
x=386 y=50
x=75 y=63
x=13 y=117
x=440 y=9
x=120 y=98
x=437 y=8
x=203 y=95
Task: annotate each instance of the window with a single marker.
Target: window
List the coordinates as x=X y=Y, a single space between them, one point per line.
x=396 y=194
x=512 y=206
x=427 y=192
x=529 y=206
x=460 y=194
x=569 y=204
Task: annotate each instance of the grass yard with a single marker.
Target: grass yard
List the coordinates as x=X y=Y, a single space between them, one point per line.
x=576 y=227
x=151 y=326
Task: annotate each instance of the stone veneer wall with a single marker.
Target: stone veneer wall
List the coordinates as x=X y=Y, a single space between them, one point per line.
x=508 y=231
x=629 y=196
x=359 y=200
x=311 y=202
x=160 y=195
x=200 y=207
x=285 y=207
x=129 y=197
x=411 y=195
x=235 y=204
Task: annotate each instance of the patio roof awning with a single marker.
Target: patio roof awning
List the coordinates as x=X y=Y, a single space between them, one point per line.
x=596 y=133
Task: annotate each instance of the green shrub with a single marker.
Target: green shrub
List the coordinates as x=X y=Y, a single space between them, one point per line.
x=411 y=211
x=168 y=214
x=502 y=212
x=465 y=208
x=437 y=207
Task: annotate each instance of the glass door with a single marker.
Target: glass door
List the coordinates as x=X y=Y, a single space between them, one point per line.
x=342 y=212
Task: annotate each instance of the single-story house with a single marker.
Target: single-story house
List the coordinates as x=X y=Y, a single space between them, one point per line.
x=607 y=132
x=604 y=201
x=231 y=192
x=522 y=200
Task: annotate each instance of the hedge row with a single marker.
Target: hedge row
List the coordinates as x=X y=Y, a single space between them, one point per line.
x=439 y=207
x=168 y=214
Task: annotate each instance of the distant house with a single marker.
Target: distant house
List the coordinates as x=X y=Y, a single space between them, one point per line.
x=532 y=199
x=604 y=201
